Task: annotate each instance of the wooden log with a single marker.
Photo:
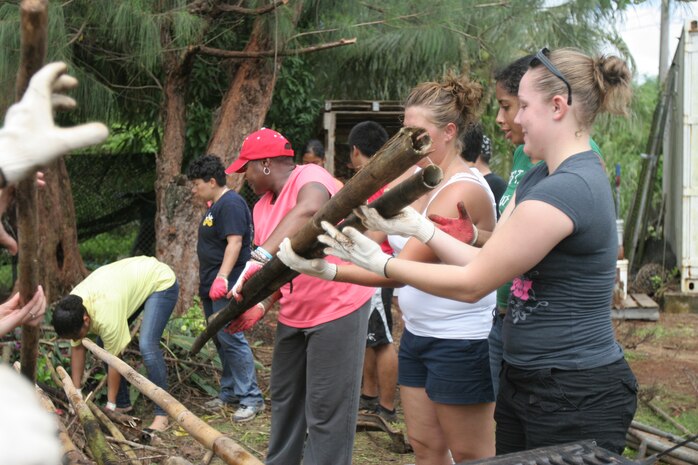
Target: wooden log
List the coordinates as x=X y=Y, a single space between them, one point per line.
x=33 y=47
x=395 y=157
x=114 y=431
x=101 y=450
x=222 y=446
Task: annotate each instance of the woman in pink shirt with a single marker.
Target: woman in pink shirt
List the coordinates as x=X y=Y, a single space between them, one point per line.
x=320 y=336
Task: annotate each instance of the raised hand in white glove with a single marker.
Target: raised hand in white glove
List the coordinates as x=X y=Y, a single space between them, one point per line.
x=407 y=223
x=349 y=244
x=30 y=138
x=316 y=267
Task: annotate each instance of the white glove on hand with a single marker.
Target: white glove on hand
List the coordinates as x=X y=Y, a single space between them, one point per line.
x=353 y=246
x=30 y=138
x=407 y=223
x=316 y=267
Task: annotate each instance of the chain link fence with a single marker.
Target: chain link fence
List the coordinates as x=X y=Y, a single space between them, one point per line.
x=114 y=208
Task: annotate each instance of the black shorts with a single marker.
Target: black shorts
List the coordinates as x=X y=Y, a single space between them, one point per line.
x=380 y=323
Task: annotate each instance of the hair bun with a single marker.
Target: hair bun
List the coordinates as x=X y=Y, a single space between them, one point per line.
x=468 y=95
x=613 y=79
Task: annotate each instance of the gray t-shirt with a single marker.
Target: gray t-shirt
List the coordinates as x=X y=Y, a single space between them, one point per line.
x=559 y=312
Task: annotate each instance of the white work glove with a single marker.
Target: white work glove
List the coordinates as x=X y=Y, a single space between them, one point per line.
x=30 y=138
x=407 y=223
x=316 y=267
x=351 y=245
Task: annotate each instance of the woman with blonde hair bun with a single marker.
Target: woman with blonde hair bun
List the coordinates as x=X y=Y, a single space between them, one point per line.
x=564 y=376
x=443 y=361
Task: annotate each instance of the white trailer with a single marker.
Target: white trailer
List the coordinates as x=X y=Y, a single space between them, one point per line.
x=680 y=176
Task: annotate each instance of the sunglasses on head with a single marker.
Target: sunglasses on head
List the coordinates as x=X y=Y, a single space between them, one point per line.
x=542 y=58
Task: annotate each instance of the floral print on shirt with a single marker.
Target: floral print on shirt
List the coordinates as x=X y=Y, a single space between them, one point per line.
x=523 y=302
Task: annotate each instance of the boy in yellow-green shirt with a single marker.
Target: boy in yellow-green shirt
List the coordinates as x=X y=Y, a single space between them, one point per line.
x=104 y=303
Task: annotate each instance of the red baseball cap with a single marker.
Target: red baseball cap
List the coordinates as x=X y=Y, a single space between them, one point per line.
x=265 y=143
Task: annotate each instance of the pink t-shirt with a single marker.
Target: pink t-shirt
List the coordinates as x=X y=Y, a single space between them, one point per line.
x=313 y=301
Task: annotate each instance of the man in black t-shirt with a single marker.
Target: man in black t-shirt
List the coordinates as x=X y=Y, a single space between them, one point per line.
x=223 y=248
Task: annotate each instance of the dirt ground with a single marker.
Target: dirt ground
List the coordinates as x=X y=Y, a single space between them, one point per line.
x=663 y=355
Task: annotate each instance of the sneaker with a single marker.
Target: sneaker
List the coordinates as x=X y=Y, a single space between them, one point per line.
x=388 y=415
x=368 y=403
x=218 y=403
x=247 y=413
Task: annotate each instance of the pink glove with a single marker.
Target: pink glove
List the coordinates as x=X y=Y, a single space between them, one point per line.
x=251 y=267
x=252 y=315
x=462 y=228
x=219 y=288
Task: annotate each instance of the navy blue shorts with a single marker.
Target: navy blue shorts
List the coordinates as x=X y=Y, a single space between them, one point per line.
x=452 y=371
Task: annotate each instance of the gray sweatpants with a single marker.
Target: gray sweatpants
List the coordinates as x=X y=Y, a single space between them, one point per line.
x=315 y=386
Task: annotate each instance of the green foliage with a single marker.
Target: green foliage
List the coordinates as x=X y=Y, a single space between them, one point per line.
x=108 y=247
x=295 y=106
x=623 y=140
x=191 y=323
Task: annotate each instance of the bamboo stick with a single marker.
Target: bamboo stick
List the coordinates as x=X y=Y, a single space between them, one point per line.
x=33 y=47
x=634 y=443
x=96 y=441
x=114 y=431
x=400 y=153
x=658 y=445
x=135 y=444
x=662 y=434
x=662 y=414
x=224 y=447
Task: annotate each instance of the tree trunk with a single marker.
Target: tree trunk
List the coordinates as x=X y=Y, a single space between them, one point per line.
x=177 y=215
x=246 y=103
x=243 y=110
x=61 y=263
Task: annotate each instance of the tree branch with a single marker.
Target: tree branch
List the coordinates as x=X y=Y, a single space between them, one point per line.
x=270 y=53
x=250 y=11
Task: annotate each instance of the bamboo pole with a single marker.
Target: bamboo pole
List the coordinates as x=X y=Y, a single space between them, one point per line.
x=224 y=447
x=663 y=434
x=114 y=431
x=96 y=441
x=657 y=445
x=665 y=416
x=33 y=46
x=400 y=153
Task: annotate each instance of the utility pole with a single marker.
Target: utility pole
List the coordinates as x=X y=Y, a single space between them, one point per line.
x=664 y=42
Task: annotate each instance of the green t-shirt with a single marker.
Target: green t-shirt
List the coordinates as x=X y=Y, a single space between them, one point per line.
x=112 y=293
x=520 y=165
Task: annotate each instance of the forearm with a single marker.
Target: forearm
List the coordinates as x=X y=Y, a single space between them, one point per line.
x=230 y=256
x=113 y=380
x=77 y=364
x=446 y=281
x=450 y=250
x=357 y=275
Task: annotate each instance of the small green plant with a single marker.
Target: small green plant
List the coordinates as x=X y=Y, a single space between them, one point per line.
x=191 y=323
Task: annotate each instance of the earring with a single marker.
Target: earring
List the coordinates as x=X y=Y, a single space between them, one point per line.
x=266 y=171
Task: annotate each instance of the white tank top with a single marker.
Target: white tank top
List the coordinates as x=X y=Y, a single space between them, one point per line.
x=429 y=316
